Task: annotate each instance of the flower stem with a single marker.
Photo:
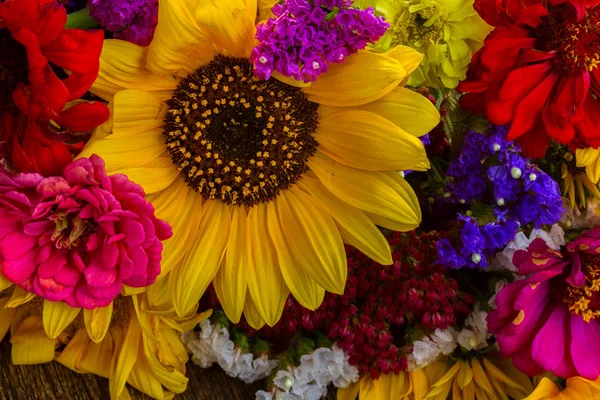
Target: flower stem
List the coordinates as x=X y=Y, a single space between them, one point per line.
x=81 y=20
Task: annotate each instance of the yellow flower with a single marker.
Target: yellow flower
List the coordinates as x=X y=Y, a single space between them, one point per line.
x=580 y=174
x=446 y=32
x=262 y=181
x=478 y=378
x=386 y=387
x=577 y=388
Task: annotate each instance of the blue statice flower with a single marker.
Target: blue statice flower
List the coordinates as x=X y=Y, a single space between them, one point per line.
x=504 y=190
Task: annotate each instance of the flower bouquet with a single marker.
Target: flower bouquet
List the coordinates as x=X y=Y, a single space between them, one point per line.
x=390 y=199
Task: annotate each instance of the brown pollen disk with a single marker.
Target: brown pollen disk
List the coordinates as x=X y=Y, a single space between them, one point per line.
x=13 y=68
x=237 y=138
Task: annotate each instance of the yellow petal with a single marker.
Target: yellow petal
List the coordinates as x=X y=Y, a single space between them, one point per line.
x=313 y=238
x=71 y=355
x=356 y=228
x=190 y=279
x=348 y=393
x=391 y=386
x=499 y=375
x=6 y=317
x=57 y=316
x=465 y=374
x=142 y=378
x=419 y=384
x=265 y=12
x=387 y=195
x=97 y=322
x=367 y=389
x=136 y=111
x=365 y=140
x=363 y=77
x=441 y=387
x=19 y=297
x=481 y=378
x=122 y=66
x=407 y=57
x=230 y=281
x=545 y=390
x=127 y=356
x=181 y=207
x=167 y=373
x=587 y=156
x=154 y=176
x=4 y=283
x=251 y=313
x=406 y=108
x=308 y=293
x=265 y=282
x=30 y=345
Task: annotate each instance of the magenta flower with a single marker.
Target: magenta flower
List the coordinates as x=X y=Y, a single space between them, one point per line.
x=79 y=237
x=550 y=321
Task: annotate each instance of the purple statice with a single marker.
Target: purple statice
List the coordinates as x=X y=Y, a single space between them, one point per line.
x=131 y=20
x=504 y=191
x=305 y=36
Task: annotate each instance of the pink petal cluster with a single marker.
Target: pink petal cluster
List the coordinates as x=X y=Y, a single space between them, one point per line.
x=78 y=238
x=548 y=321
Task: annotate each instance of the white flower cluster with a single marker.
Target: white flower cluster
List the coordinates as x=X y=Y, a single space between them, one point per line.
x=310 y=379
x=473 y=336
x=212 y=345
x=503 y=260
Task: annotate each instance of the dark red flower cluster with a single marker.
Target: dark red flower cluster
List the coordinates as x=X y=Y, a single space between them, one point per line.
x=384 y=308
x=538 y=71
x=38 y=112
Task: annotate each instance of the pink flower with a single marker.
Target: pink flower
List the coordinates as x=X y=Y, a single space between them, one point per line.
x=550 y=321
x=79 y=237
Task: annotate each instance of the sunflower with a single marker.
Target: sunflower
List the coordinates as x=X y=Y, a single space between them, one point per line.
x=388 y=386
x=580 y=173
x=446 y=32
x=262 y=181
x=577 y=388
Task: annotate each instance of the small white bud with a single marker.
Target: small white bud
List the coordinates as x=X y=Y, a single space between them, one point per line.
x=516 y=172
x=288 y=383
x=476 y=257
x=316 y=65
x=402 y=174
x=496 y=147
x=532 y=177
x=462 y=201
x=500 y=202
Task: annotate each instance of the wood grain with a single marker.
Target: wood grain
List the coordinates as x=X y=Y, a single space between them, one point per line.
x=54 y=382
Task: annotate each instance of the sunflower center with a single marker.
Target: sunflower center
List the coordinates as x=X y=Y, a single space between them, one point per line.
x=576 y=43
x=418 y=29
x=13 y=70
x=585 y=300
x=237 y=138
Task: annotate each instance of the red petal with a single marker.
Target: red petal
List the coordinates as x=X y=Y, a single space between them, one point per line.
x=84 y=117
x=76 y=50
x=588 y=128
x=527 y=112
x=46 y=19
x=534 y=143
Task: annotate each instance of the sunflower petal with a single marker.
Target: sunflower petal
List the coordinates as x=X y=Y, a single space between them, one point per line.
x=348 y=393
x=6 y=317
x=30 y=344
x=265 y=282
x=122 y=66
x=97 y=322
x=4 y=283
x=366 y=140
x=313 y=239
x=407 y=57
x=19 y=297
x=230 y=283
x=127 y=357
x=364 y=77
x=251 y=313
x=190 y=279
x=57 y=316
x=136 y=111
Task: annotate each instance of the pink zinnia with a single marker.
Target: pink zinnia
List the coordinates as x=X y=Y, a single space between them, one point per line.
x=550 y=321
x=79 y=237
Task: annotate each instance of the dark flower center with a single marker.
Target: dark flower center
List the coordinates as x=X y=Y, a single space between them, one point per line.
x=236 y=138
x=577 y=43
x=585 y=300
x=71 y=231
x=13 y=68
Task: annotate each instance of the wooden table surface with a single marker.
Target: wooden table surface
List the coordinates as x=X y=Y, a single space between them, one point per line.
x=54 y=382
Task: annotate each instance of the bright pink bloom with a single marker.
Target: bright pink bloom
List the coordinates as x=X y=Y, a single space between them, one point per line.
x=550 y=321
x=79 y=237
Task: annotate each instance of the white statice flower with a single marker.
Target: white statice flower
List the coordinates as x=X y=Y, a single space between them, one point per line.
x=212 y=345
x=499 y=286
x=475 y=334
x=309 y=380
x=573 y=218
x=445 y=340
x=503 y=260
x=429 y=348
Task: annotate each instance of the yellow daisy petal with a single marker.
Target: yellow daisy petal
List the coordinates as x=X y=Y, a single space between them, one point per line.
x=251 y=313
x=127 y=356
x=374 y=192
x=407 y=57
x=57 y=316
x=265 y=282
x=231 y=283
x=365 y=140
x=30 y=345
x=190 y=279
x=545 y=390
x=349 y=393
x=4 y=283
x=71 y=356
x=123 y=66
x=407 y=109
x=97 y=322
x=6 y=317
x=364 y=77
x=19 y=297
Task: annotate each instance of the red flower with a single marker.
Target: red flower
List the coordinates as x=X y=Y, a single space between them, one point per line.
x=35 y=128
x=538 y=71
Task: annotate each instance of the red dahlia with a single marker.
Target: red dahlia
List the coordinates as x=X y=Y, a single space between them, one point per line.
x=37 y=116
x=538 y=71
